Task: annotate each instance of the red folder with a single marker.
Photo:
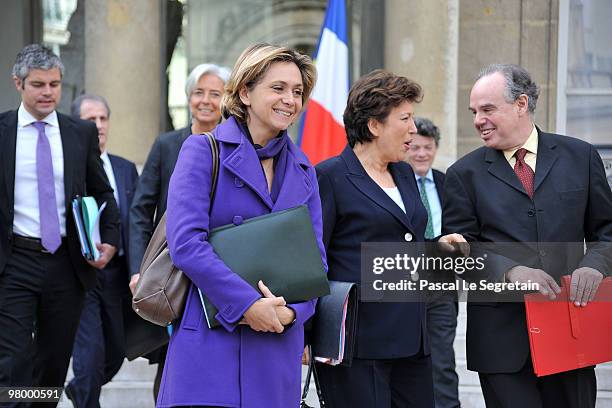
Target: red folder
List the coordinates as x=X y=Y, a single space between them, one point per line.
x=565 y=337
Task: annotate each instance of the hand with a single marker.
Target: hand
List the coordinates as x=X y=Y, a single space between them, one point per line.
x=305 y=356
x=546 y=283
x=261 y=316
x=285 y=314
x=455 y=243
x=133 y=282
x=107 y=251
x=583 y=288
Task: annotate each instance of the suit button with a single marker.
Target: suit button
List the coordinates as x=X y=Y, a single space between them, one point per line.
x=237 y=220
x=531 y=212
x=238 y=182
x=408 y=237
x=542 y=253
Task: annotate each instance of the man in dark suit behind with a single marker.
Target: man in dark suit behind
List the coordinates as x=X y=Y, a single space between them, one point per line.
x=204 y=89
x=441 y=313
x=99 y=346
x=46 y=160
x=530 y=188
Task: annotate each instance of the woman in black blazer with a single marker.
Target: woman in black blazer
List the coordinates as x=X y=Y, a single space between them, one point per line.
x=369 y=194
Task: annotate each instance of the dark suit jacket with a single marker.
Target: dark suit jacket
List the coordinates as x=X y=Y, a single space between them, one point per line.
x=83 y=175
x=356 y=210
x=151 y=195
x=126 y=177
x=486 y=202
x=439 y=178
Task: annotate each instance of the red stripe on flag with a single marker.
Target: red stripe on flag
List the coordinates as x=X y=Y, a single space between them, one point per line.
x=322 y=136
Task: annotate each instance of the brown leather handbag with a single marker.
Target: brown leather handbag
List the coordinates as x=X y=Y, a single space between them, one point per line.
x=162 y=288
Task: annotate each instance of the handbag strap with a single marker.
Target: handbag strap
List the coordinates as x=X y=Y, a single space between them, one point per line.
x=214 y=151
x=312 y=372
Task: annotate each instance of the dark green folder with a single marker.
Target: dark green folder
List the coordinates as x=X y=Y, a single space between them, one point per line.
x=279 y=248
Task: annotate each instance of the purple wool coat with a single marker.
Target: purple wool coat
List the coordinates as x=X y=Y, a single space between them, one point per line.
x=230 y=366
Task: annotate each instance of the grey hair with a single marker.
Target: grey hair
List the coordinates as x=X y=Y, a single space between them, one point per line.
x=426 y=127
x=194 y=76
x=35 y=56
x=75 y=107
x=518 y=82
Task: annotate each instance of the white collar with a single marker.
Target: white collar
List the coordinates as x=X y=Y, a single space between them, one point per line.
x=428 y=176
x=25 y=118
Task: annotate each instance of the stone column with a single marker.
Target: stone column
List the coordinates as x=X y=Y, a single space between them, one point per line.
x=122 y=63
x=520 y=32
x=421 y=43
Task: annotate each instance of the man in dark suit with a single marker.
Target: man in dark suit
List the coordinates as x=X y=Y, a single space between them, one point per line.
x=441 y=313
x=204 y=89
x=46 y=160
x=148 y=206
x=99 y=346
x=530 y=188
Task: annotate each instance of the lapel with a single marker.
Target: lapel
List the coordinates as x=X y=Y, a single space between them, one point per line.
x=362 y=181
x=297 y=186
x=8 y=144
x=70 y=140
x=439 y=182
x=546 y=157
x=500 y=168
x=243 y=159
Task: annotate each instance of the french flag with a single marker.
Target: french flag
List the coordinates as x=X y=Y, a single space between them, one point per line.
x=322 y=134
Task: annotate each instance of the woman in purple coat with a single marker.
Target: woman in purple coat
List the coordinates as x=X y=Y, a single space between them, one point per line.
x=253 y=360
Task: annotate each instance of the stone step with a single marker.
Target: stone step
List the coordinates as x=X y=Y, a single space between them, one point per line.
x=136 y=370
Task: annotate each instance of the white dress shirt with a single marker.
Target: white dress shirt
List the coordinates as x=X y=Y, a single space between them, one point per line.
x=394 y=194
x=26 y=221
x=108 y=168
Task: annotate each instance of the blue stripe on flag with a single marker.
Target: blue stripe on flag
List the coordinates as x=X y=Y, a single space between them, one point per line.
x=335 y=19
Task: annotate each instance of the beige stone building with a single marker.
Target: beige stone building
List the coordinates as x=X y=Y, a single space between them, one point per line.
x=120 y=48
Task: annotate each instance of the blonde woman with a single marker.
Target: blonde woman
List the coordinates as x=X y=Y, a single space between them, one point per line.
x=257 y=363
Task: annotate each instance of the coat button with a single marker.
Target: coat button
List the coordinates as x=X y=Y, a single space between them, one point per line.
x=238 y=182
x=531 y=212
x=542 y=253
x=237 y=220
x=408 y=237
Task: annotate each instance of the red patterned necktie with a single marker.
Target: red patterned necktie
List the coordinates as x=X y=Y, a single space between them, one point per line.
x=523 y=171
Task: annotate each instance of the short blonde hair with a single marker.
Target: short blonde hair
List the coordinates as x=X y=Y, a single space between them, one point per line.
x=250 y=68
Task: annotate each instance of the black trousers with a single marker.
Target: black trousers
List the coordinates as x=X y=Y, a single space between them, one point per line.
x=40 y=303
x=397 y=383
x=571 y=389
x=99 y=346
x=441 y=328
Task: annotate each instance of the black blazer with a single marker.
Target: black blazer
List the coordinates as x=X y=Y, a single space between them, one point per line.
x=356 y=210
x=439 y=178
x=486 y=202
x=151 y=194
x=83 y=175
x=126 y=177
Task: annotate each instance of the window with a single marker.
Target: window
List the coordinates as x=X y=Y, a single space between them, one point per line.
x=584 y=99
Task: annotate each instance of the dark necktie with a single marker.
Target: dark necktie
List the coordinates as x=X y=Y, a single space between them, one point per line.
x=523 y=171
x=429 y=232
x=47 y=206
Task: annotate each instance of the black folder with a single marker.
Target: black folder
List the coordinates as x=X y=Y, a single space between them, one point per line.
x=279 y=248
x=326 y=334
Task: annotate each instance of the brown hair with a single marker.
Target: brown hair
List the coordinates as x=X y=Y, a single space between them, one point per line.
x=373 y=96
x=252 y=65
